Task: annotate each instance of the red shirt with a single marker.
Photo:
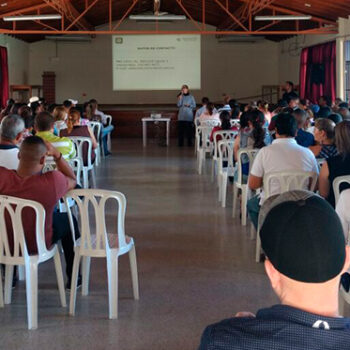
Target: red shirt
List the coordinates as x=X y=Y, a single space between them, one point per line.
x=218 y=137
x=46 y=189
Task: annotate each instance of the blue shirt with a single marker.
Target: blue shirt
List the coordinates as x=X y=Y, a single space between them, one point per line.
x=186 y=106
x=305 y=138
x=279 y=327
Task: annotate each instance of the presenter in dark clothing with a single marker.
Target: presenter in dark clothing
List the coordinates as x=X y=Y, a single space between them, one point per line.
x=186 y=104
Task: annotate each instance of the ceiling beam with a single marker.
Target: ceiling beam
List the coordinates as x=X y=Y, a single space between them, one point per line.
x=24 y=10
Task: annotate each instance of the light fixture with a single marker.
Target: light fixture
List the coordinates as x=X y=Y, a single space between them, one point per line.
x=240 y=39
x=69 y=38
x=153 y=18
x=32 y=17
x=283 y=18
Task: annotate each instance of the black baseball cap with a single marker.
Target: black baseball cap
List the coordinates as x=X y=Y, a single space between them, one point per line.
x=302 y=236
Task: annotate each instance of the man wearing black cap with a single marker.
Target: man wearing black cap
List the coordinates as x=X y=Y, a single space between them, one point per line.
x=306 y=254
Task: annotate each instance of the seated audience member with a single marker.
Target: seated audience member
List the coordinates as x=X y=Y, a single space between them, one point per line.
x=7 y=110
x=324 y=101
x=44 y=126
x=16 y=107
x=67 y=104
x=11 y=134
x=201 y=110
x=336 y=118
x=60 y=114
x=293 y=102
x=306 y=256
x=283 y=155
x=235 y=109
x=75 y=129
x=263 y=106
x=107 y=129
x=226 y=106
x=303 y=138
x=324 y=112
x=225 y=119
x=27 y=115
x=209 y=115
x=338 y=165
x=304 y=104
x=28 y=182
x=324 y=136
x=344 y=112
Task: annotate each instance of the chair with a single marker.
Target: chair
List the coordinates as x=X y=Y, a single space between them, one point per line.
x=337 y=182
x=79 y=143
x=224 y=135
x=13 y=207
x=109 y=120
x=203 y=145
x=235 y=122
x=249 y=154
x=287 y=181
x=225 y=149
x=96 y=129
x=101 y=244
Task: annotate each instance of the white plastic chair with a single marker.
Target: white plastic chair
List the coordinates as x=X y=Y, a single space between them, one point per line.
x=79 y=145
x=239 y=185
x=19 y=254
x=203 y=144
x=287 y=181
x=101 y=244
x=96 y=128
x=337 y=183
x=109 y=142
x=225 y=149
x=235 y=122
x=224 y=135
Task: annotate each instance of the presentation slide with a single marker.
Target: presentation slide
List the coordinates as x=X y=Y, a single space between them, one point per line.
x=156 y=62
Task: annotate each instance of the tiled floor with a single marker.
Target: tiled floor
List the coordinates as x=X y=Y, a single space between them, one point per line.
x=196 y=264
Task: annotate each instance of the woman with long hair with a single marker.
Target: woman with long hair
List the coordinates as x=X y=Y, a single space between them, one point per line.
x=60 y=115
x=209 y=115
x=225 y=118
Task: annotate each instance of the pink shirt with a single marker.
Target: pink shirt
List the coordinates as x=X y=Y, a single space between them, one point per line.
x=46 y=189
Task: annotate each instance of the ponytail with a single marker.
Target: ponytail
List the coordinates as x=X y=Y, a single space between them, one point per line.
x=73 y=118
x=225 y=120
x=210 y=108
x=257 y=119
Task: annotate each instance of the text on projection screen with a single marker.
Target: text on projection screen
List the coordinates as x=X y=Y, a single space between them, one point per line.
x=156 y=62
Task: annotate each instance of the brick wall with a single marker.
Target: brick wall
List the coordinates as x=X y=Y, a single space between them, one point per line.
x=49 y=87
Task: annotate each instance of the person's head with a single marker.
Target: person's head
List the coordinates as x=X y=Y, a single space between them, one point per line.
x=336 y=118
x=233 y=103
x=286 y=125
x=342 y=137
x=243 y=120
x=60 y=113
x=344 y=104
x=235 y=112
x=227 y=99
x=205 y=101
x=36 y=107
x=10 y=102
x=324 y=101
x=94 y=105
x=225 y=120
x=304 y=103
x=44 y=121
x=324 y=130
x=305 y=249
x=74 y=102
x=300 y=117
x=263 y=106
x=15 y=108
x=27 y=115
x=73 y=119
x=12 y=128
x=288 y=86
x=184 y=89
x=67 y=104
x=293 y=101
x=210 y=108
x=324 y=112
x=32 y=153
x=256 y=120
x=344 y=112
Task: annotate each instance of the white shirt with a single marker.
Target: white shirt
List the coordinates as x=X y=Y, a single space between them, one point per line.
x=282 y=155
x=342 y=209
x=207 y=118
x=225 y=108
x=102 y=115
x=9 y=157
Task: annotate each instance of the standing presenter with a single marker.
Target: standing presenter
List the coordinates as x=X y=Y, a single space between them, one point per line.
x=186 y=104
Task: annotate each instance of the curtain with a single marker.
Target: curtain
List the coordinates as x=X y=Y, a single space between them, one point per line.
x=322 y=57
x=4 y=77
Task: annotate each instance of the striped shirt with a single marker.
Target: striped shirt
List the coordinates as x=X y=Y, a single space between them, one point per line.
x=63 y=144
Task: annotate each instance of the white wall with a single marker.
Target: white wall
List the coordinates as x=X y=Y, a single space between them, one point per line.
x=18 y=58
x=84 y=70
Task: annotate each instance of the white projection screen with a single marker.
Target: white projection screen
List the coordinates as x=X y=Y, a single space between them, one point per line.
x=156 y=62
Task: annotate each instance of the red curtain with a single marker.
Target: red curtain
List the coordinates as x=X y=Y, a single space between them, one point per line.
x=4 y=77
x=325 y=55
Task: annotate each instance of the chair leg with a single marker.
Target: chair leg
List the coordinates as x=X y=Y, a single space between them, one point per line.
x=200 y=162
x=32 y=293
x=1 y=293
x=93 y=178
x=213 y=170
x=85 y=275
x=8 y=283
x=59 y=275
x=244 y=206
x=252 y=232
x=220 y=186
x=112 y=271
x=134 y=275
x=85 y=178
x=235 y=198
x=223 y=190
x=21 y=272
x=258 y=248
x=73 y=287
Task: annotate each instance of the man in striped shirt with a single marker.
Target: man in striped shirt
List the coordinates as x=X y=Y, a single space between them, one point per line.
x=44 y=126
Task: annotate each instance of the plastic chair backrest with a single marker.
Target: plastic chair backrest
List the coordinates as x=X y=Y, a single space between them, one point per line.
x=11 y=208
x=235 y=122
x=109 y=119
x=290 y=180
x=210 y=122
x=79 y=142
x=96 y=129
x=225 y=149
x=320 y=161
x=203 y=138
x=337 y=183
x=250 y=156
x=225 y=135
x=86 y=198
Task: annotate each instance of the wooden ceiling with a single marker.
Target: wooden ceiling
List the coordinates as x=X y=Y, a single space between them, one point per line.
x=225 y=15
